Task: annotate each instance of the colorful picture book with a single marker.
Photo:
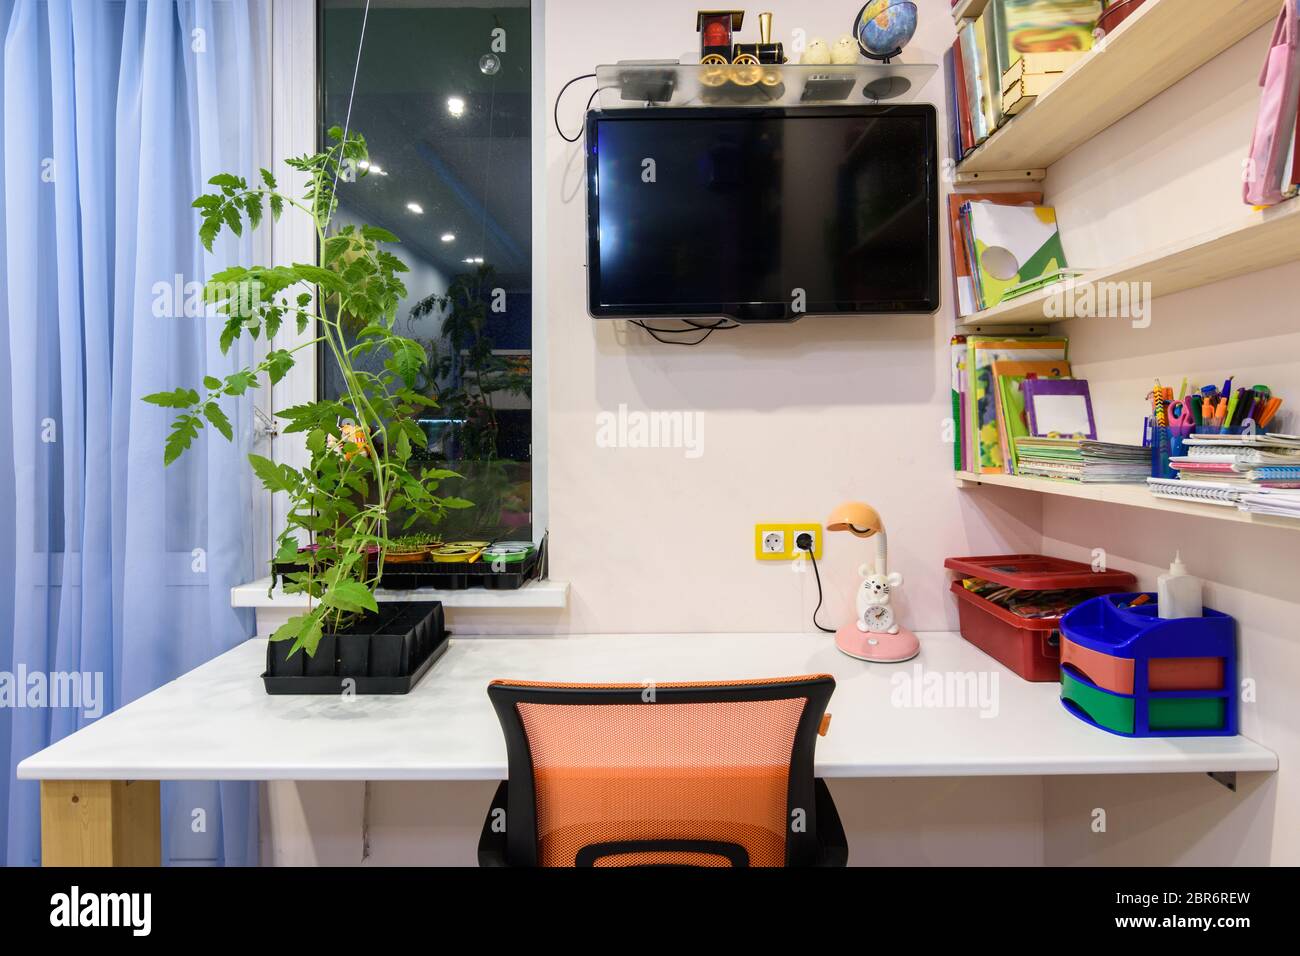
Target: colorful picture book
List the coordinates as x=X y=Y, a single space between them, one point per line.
x=1013 y=421
x=1008 y=246
x=963 y=280
x=1059 y=408
x=982 y=434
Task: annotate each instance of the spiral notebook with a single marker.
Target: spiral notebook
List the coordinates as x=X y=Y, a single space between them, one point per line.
x=1209 y=492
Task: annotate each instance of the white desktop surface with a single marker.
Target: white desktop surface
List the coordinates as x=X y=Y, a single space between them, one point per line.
x=218 y=723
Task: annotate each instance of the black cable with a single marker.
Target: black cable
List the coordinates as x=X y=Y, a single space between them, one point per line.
x=695 y=327
x=828 y=630
x=555 y=113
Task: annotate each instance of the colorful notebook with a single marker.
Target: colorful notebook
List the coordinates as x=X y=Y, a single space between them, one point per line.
x=964 y=281
x=1059 y=408
x=1012 y=245
x=1048 y=26
x=1013 y=422
x=984 y=448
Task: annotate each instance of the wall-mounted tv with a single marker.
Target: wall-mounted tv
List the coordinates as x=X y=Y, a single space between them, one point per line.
x=762 y=214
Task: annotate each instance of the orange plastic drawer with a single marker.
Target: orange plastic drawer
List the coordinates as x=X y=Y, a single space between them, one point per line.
x=1164 y=673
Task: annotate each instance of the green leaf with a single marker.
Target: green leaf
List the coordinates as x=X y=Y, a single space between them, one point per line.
x=184 y=430
x=231 y=214
x=278 y=363
x=177 y=398
x=211 y=383
x=290 y=628
x=378 y=234
x=213 y=413
x=350 y=596
x=322 y=277
x=457 y=503
x=273 y=477
x=234 y=325
x=226 y=181
x=240 y=382
x=208 y=230
x=267 y=178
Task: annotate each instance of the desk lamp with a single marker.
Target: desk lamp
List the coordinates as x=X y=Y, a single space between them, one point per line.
x=873 y=635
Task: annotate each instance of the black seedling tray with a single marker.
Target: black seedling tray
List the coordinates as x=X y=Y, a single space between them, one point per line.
x=387 y=653
x=449 y=575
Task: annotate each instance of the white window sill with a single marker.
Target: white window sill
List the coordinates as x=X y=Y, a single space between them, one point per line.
x=535 y=594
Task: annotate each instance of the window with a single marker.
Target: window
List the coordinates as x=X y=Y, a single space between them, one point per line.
x=444 y=99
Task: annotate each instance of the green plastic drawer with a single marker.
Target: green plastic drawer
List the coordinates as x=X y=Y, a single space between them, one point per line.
x=1116 y=712
x=1109 y=710
x=1185 y=713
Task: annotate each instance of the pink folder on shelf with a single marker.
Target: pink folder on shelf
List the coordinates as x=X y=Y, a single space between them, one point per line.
x=1280 y=80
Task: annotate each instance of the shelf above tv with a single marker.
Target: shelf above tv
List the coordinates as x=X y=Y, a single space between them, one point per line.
x=1158 y=45
x=1130 y=495
x=642 y=84
x=1258 y=240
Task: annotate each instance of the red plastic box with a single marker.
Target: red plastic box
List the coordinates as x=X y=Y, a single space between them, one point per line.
x=1030 y=647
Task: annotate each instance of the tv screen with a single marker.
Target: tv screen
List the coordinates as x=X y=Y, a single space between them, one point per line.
x=760 y=214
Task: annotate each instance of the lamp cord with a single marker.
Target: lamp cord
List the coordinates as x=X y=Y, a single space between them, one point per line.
x=828 y=630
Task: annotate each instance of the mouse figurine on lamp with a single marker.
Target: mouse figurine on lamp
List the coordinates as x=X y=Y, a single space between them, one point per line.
x=874 y=635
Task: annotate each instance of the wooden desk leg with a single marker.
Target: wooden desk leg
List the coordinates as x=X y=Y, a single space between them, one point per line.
x=100 y=823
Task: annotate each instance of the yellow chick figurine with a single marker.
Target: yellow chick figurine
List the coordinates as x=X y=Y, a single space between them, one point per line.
x=845 y=50
x=816 y=53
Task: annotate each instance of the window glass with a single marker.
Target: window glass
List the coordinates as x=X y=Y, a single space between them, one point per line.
x=443 y=99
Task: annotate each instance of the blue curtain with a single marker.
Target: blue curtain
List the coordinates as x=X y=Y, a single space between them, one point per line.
x=114 y=115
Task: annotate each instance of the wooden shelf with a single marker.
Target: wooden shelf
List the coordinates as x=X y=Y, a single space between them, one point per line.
x=968 y=8
x=1131 y=495
x=1149 y=52
x=1258 y=240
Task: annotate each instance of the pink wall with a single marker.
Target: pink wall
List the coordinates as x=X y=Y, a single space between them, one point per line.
x=1166 y=172
x=796 y=419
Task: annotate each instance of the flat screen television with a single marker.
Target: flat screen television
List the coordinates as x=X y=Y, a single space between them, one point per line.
x=762 y=214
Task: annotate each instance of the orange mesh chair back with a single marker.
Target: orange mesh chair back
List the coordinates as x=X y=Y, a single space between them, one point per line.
x=698 y=774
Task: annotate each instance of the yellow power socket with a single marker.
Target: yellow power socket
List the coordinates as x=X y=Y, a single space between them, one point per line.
x=775 y=542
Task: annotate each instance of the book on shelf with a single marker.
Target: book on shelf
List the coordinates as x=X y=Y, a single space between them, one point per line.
x=983 y=442
x=1258 y=473
x=1009 y=246
x=995 y=41
x=963 y=279
x=1083 y=460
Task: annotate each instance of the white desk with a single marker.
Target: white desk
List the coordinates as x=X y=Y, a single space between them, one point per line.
x=217 y=722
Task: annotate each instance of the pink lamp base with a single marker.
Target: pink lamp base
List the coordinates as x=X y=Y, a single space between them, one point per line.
x=879 y=648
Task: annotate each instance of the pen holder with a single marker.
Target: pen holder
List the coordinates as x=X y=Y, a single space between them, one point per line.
x=1161 y=450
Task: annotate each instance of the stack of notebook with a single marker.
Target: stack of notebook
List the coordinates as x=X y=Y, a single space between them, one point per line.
x=1080 y=459
x=1257 y=473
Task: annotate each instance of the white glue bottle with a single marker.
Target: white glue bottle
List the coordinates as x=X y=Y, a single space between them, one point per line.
x=1178 y=593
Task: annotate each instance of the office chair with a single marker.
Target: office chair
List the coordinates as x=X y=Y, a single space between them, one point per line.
x=709 y=774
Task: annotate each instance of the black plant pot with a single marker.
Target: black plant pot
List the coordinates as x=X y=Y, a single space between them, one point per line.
x=278 y=661
x=384 y=653
x=326 y=661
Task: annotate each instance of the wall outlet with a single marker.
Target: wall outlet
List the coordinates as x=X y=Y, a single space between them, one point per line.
x=774 y=541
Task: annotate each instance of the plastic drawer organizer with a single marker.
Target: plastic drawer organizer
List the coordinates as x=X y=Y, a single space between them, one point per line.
x=1130 y=672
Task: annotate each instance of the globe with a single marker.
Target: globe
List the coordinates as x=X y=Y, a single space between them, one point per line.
x=884 y=27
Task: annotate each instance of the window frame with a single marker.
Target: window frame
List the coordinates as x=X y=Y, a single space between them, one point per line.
x=296 y=103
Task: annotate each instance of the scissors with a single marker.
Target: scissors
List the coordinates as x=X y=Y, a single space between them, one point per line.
x=1181 y=421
